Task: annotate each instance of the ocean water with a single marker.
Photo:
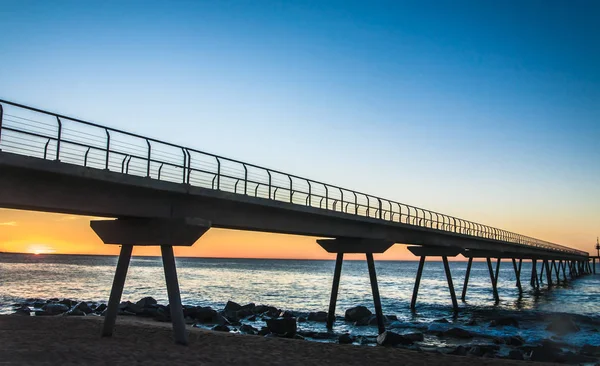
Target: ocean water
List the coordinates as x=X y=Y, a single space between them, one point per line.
x=305 y=285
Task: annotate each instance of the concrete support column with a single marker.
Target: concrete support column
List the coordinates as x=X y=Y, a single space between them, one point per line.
x=177 y=319
x=542 y=271
x=556 y=271
x=375 y=290
x=117 y=290
x=413 y=301
x=334 y=290
x=467 y=275
x=518 y=273
x=450 y=284
x=548 y=273
x=594 y=264
x=493 y=279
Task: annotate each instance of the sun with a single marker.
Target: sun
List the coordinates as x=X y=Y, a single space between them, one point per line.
x=38 y=249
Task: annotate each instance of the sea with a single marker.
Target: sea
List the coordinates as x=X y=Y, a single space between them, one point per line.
x=303 y=286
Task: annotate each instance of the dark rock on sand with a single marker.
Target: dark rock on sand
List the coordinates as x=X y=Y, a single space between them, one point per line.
x=301 y=319
x=391 y=317
x=53 y=309
x=562 y=326
x=507 y=320
x=146 y=302
x=204 y=315
x=246 y=311
x=415 y=337
x=590 y=350
x=459 y=351
x=345 y=339
x=571 y=357
x=547 y=352
x=457 y=333
x=84 y=307
x=24 y=310
x=442 y=320
x=515 y=354
x=389 y=338
x=127 y=308
x=270 y=311
x=263 y=331
x=100 y=308
x=75 y=312
x=515 y=341
x=283 y=327
x=357 y=313
x=67 y=302
x=318 y=316
x=471 y=322
x=221 y=328
x=248 y=329
x=481 y=350
x=287 y=314
x=317 y=335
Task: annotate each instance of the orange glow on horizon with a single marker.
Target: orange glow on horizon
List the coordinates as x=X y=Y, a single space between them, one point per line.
x=47 y=233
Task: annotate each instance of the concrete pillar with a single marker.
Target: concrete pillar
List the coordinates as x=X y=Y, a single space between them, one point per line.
x=413 y=301
x=375 y=290
x=450 y=284
x=518 y=273
x=594 y=264
x=334 y=289
x=556 y=272
x=116 y=291
x=168 y=259
x=493 y=279
x=548 y=273
x=467 y=275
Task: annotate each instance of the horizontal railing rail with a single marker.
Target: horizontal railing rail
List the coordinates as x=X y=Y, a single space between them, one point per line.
x=47 y=135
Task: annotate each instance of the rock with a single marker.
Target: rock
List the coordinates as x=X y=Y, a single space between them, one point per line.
x=415 y=337
x=508 y=320
x=75 y=312
x=373 y=320
x=392 y=317
x=252 y=318
x=221 y=328
x=146 y=302
x=515 y=341
x=24 y=310
x=101 y=308
x=317 y=335
x=246 y=311
x=515 y=354
x=84 y=307
x=54 y=309
x=232 y=306
x=287 y=314
x=457 y=333
x=283 y=327
x=127 y=308
x=483 y=350
x=67 y=302
x=357 y=313
x=38 y=304
x=204 y=315
x=547 y=352
x=300 y=319
x=459 y=351
x=345 y=339
x=264 y=309
x=563 y=326
x=248 y=329
x=590 y=350
x=441 y=320
x=319 y=316
x=263 y=331
x=389 y=338
x=471 y=322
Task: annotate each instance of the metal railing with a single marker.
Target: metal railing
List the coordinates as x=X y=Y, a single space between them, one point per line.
x=38 y=133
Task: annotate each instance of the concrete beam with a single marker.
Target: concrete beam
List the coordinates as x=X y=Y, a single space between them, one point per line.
x=146 y=231
x=354 y=245
x=435 y=251
x=477 y=253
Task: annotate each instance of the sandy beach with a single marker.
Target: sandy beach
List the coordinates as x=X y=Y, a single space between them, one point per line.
x=67 y=340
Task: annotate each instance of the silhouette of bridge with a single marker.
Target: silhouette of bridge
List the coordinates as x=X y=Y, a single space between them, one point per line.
x=169 y=195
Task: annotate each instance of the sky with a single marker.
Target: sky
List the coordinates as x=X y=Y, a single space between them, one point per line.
x=485 y=110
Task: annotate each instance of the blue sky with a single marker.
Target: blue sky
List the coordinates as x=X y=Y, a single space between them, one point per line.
x=484 y=109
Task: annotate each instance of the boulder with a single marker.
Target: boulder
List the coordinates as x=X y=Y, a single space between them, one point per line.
x=221 y=328
x=286 y=314
x=515 y=354
x=515 y=341
x=590 y=350
x=562 y=326
x=146 y=302
x=357 y=313
x=283 y=327
x=373 y=320
x=300 y=319
x=481 y=350
x=204 y=315
x=245 y=311
x=84 y=307
x=459 y=351
x=100 y=308
x=248 y=329
x=571 y=357
x=457 y=333
x=128 y=308
x=389 y=338
x=345 y=339
x=317 y=335
x=67 y=302
x=415 y=337
x=263 y=331
x=392 y=317
x=548 y=351
x=75 y=312
x=318 y=316
x=471 y=322
x=503 y=321
x=54 y=309
x=24 y=310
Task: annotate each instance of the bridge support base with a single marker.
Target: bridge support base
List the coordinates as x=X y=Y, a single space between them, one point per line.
x=355 y=245
x=443 y=252
x=166 y=234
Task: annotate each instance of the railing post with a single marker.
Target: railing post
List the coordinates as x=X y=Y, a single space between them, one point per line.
x=149 y=154
x=379 y=200
x=309 y=193
x=1 y=119
x=58 y=138
x=291 y=189
x=269 y=174
x=107 y=148
x=86 y=156
x=326 y=197
x=219 y=174
x=184 y=164
x=189 y=168
x=246 y=179
x=355 y=203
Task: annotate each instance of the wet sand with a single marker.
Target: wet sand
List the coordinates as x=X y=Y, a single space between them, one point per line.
x=69 y=340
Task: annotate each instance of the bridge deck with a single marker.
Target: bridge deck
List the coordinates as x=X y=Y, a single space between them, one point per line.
x=56 y=163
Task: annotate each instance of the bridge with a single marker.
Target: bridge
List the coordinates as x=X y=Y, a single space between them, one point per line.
x=169 y=195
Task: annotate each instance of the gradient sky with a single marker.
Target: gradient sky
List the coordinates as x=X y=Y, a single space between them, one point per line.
x=486 y=110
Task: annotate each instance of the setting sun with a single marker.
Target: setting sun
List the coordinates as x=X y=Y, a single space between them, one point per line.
x=39 y=249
